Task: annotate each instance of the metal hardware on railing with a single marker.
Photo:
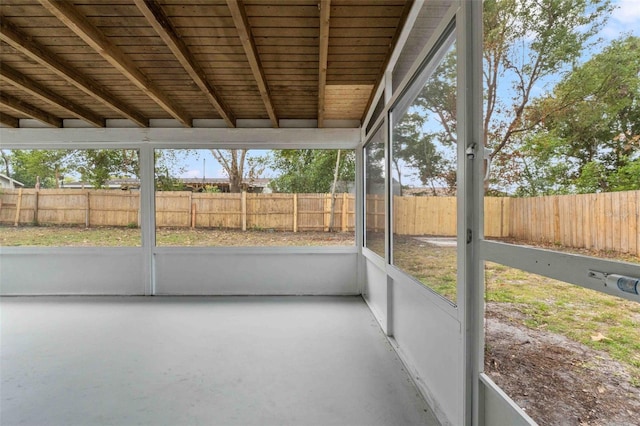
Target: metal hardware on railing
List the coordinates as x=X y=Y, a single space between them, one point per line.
x=620 y=282
x=488 y=158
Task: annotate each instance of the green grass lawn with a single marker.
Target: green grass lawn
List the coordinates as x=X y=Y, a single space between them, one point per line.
x=595 y=319
x=435 y=267
x=53 y=236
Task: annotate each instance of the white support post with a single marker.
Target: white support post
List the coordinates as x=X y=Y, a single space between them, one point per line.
x=471 y=205
x=147 y=213
x=359 y=215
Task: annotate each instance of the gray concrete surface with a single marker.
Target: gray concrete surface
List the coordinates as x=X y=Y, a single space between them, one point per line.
x=200 y=361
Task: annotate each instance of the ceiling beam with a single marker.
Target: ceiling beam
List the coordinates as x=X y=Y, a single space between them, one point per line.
x=161 y=24
x=325 y=13
x=8 y=120
x=26 y=46
x=239 y=15
x=33 y=88
x=91 y=35
x=22 y=107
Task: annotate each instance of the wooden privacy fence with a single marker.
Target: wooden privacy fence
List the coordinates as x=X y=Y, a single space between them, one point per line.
x=283 y=212
x=607 y=221
x=70 y=207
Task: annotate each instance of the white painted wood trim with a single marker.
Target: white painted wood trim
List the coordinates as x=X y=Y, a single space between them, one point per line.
x=78 y=138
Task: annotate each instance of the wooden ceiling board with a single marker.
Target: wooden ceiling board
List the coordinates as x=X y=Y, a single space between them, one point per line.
x=282 y=3
x=8 y=112
x=193 y=2
x=20 y=106
x=286 y=39
x=29 y=99
x=8 y=120
x=32 y=51
x=200 y=11
x=277 y=11
x=379 y=10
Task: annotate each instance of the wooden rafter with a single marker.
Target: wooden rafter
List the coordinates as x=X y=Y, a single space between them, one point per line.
x=19 y=106
x=8 y=120
x=239 y=15
x=161 y=24
x=325 y=12
x=91 y=35
x=21 y=81
x=25 y=45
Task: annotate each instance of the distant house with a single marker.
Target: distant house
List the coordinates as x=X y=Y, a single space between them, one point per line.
x=124 y=184
x=426 y=191
x=188 y=184
x=8 y=183
x=250 y=185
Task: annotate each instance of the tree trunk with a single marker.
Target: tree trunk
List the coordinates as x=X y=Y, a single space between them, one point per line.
x=5 y=159
x=399 y=172
x=234 y=183
x=56 y=174
x=232 y=165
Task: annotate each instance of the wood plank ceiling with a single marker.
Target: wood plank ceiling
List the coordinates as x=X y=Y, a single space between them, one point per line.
x=272 y=60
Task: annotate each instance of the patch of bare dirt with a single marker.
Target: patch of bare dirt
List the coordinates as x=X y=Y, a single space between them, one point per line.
x=555 y=380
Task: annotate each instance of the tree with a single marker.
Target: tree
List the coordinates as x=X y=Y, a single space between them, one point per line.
x=438 y=98
x=169 y=164
x=414 y=149
x=427 y=130
x=310 y=170
x=374 y=165
x=5 y=162
x=587 y=131
x=97 y=166
x=48 y=165
x=527 y=44
x=238 y=166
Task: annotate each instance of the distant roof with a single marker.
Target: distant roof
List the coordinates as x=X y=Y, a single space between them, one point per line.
x=261 y=182
x=207 y=181
x=429 y=191
x=8 y=179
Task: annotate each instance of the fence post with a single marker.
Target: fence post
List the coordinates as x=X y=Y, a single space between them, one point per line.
x=295 y=212
x=344 y=212
x=139 y=209
x=376 y=214
x=556 y=219
x=87 y=212
x=327 y=212
x=35 y=207
x=243 y=201
x=192 y=210
x=18 y=207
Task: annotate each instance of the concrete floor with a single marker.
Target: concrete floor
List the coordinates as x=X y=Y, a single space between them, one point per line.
x=191 y=361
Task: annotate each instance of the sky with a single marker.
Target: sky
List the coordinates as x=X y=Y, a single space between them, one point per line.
x=202 y=161
x=624 y=20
